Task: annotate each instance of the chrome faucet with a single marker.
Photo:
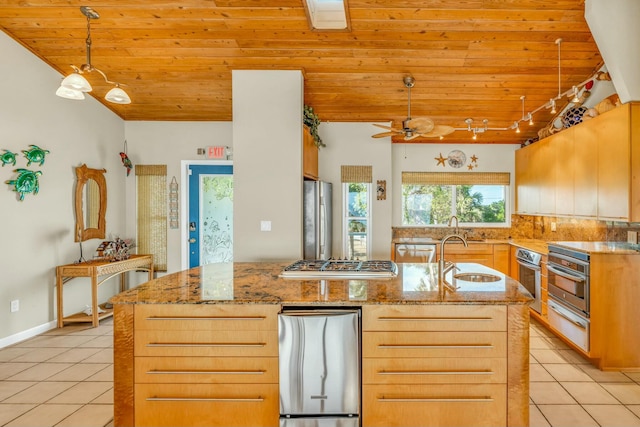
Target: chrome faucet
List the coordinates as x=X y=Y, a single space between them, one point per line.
x=455 y=230
x=445 y=266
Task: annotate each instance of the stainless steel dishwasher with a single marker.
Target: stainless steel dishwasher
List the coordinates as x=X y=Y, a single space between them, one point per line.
x=319 y=367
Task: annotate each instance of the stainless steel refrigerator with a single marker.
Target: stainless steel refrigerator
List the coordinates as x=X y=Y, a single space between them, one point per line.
x=319 y=368
x=317 y=221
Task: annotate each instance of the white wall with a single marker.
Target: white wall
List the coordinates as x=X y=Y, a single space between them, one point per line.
x=37 y=234
x=267 y=171
x=351 y=144
x=168 y=143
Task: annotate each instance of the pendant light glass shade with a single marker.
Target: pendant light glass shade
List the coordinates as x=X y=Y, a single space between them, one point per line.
x=76 y=82
x=117 y=96
x=65 y=92
x=74 y=85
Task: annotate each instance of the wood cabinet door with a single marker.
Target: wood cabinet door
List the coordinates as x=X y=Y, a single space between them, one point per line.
x=501 y=254
x=523 y=181
x=564 y=167
x=544 y=161
x=614 y=164
x=585 y=171
x=309 y=156
x=514 y=267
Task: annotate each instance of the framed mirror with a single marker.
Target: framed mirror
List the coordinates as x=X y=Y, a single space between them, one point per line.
x=90 y=203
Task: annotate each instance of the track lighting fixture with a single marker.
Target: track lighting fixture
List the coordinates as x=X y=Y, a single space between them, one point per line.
x=575 y=99
x=75 y=84
x=572 y=94
x=476 y=130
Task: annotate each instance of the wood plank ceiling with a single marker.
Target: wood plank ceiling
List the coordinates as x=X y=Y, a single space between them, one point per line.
x=469 y=58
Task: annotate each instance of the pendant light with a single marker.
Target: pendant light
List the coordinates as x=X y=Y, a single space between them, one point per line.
x=75 y=84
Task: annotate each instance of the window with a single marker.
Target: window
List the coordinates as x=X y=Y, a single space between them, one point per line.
x=152 y=213
x=477 y=199
x=358 y=202
x=356 y=231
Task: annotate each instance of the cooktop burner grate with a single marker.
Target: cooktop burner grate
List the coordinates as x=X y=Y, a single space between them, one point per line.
x=337 y=267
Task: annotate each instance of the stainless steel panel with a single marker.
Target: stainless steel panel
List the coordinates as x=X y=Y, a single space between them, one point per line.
x=320 y=422
x=569 y=324
x=319 y=362
x=568 y=298
x=530 y=278
x=317 y=220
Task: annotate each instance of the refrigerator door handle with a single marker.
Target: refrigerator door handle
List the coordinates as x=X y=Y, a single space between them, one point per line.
x=323 y=231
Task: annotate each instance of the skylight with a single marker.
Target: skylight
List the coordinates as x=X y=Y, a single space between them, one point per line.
x=327 y=14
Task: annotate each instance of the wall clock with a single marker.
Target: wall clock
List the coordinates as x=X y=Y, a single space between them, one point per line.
x=456 y=159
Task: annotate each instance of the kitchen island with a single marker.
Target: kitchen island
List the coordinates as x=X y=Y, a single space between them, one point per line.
x=200 y=347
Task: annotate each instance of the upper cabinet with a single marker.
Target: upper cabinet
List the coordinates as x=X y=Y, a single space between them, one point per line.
x=590 y=170
x=309 y=156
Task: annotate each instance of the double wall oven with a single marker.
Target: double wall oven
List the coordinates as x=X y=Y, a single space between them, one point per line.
x=568 y=285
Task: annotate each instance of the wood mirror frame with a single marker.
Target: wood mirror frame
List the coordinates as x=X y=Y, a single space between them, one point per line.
x=84 y=175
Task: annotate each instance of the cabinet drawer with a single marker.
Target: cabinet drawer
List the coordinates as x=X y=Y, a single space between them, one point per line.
x=457 y=248
x=434 y=370
x=206 y=405
x=434 y=344
x=207 y=370
x=426 y=405
x=191 y=317
x=206 y=343
x=434 y=318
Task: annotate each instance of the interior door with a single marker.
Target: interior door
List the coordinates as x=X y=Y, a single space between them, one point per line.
x=210 y=213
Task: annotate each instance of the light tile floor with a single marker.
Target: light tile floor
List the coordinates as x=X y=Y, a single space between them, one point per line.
x=64 y=378
x=566 y=390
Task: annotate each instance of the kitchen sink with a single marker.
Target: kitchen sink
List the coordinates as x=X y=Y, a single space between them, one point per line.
x=476 y=277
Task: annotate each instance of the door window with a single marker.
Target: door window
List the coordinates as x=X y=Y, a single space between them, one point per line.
x=210 y=214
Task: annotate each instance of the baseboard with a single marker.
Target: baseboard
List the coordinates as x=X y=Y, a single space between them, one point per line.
x=29 y=333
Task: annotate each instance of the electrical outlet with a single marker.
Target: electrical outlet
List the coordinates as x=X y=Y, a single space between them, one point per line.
x=15 y=305
x=553 y=226
x=632 y=237
x=265 y=225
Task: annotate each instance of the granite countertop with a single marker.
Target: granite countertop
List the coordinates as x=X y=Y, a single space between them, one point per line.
x=259 y=283
x=539 y=246
x=615 y=248
x=432 y=241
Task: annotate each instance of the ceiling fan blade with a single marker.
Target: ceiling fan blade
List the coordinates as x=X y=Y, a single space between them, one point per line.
x=383 y=134
x=387 y=127
x=438 y=131
x=410 y=137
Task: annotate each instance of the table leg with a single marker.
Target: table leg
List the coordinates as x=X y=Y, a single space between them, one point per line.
x=94 y=300
x=59 y=285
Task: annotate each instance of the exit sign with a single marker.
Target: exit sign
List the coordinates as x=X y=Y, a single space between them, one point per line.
x=216 y=152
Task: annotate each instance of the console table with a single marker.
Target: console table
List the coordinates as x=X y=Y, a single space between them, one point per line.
x=94 y=270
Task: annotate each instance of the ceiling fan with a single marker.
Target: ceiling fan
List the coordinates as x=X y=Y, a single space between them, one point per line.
x=413 y=128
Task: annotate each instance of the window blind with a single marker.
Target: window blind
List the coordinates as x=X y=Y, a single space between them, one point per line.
x=152 y=213
x=356 y=173
x=456 y=178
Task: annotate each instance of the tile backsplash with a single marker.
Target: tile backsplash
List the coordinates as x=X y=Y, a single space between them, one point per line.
x=535 y=227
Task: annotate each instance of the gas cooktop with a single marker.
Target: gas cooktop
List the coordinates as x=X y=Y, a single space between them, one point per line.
x=337 y=268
